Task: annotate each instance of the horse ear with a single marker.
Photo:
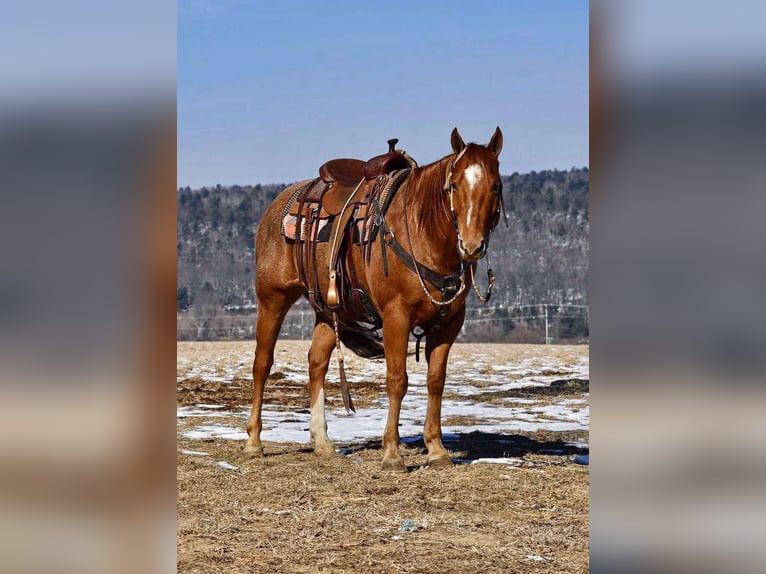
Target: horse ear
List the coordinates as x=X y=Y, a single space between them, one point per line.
x=496 y=143
x=457 y=142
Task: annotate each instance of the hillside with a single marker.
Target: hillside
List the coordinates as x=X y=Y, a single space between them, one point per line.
x=541 y=259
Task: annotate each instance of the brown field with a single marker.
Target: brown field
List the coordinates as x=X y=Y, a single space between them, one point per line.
x=294 y=512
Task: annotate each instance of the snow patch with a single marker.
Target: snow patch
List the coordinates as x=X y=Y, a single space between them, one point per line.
x=466 y=380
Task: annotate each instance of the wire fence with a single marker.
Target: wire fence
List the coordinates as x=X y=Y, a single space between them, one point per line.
x=536 y=323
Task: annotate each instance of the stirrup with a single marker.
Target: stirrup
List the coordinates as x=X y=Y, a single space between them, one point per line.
x=332 y=290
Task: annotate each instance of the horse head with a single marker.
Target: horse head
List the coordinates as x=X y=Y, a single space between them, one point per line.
x=475 y=193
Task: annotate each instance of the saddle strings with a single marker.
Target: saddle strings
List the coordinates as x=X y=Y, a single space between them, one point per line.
x=344 y=389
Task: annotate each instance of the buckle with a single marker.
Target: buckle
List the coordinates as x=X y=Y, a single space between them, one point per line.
x=450 y=286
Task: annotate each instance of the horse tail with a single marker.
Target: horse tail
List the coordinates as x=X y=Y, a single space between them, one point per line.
x=366 y=345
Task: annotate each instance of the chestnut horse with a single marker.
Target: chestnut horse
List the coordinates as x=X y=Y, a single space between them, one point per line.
x=442 y=215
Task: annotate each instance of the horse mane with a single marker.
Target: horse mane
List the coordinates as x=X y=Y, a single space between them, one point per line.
x=428 y=199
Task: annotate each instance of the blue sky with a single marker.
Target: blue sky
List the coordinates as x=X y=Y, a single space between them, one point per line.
x=268 y=91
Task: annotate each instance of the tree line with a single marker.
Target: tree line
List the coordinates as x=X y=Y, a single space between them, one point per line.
x=541 y=259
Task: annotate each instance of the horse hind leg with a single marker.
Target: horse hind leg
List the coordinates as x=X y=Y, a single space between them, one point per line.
x=322 y=344
x=271 y=314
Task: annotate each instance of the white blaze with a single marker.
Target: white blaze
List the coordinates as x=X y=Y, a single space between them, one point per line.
x=473 y=174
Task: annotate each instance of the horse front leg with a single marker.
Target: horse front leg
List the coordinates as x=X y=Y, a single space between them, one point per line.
x=438 y=345
x=322 y=345
x=396 y=331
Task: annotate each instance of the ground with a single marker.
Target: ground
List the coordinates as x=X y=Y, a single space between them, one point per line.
x=515 y=416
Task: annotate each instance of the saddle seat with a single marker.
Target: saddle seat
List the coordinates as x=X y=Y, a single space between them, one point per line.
x=339 y=192
x=344 y=171
x=345 y=174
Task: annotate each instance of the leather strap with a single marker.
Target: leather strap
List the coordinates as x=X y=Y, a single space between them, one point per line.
x=447 y=284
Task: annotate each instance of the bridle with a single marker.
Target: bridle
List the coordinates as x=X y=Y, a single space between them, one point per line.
x=449 y=187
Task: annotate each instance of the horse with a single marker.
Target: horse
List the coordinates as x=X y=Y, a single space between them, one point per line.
x=441 y=218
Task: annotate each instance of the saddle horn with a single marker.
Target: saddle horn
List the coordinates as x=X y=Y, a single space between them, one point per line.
x=392 y=144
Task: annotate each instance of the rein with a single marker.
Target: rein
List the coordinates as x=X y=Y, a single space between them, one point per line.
x=490 y=279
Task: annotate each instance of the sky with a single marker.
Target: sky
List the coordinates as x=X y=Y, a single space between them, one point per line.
x=268 y=91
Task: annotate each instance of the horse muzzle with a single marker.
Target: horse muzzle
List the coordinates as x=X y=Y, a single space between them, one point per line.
x=472 y=251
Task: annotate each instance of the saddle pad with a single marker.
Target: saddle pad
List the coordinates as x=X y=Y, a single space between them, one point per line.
x=290 y=202
x=318 y=230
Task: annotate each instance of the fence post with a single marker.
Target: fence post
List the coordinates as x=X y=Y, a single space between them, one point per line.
x=547 y=339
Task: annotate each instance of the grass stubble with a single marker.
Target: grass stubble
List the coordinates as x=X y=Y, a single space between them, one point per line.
x=294 y=512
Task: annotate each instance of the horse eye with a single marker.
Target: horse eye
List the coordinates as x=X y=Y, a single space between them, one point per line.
x=498 y=189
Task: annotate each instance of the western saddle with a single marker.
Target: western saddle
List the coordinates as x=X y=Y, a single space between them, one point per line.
x=341 y=207
x=344 y=174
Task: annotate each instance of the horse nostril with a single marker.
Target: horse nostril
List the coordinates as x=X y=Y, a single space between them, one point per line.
x=471 y=251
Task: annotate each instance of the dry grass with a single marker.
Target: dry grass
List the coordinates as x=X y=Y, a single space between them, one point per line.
x=294 y=512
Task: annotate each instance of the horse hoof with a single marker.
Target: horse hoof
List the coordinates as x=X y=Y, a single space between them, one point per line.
x=396 y=465
x=254 y=451
x=441 y=461
x=325 y=450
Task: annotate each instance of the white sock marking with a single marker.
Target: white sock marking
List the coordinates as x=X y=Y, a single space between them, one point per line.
x=318 y=425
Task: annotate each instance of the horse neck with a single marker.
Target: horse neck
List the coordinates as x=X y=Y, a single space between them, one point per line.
x=430 y=219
